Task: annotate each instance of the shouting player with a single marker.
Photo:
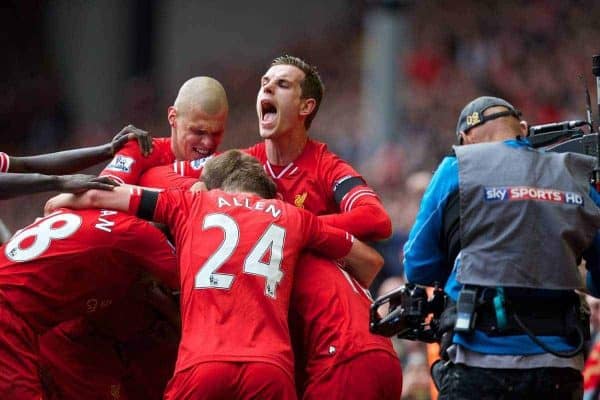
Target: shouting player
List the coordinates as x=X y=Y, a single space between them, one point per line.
x=330 y=310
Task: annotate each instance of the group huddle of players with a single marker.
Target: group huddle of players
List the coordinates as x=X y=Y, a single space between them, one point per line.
x=96 y=303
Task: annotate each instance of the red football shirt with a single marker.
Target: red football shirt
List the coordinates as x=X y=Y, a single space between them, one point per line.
x=118 y=322
x=74 y=263
x=237 y=255
x=128 y=164
x=330 y=310
x=178 y=174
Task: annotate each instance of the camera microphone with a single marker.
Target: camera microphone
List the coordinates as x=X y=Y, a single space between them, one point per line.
x=556 y=126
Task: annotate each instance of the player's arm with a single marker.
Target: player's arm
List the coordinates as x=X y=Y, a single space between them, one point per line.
x=362 y=261
x=163 y=301
x=116 y=199
x=360 y=210
x=365 y=218
x=69 y=161
x=135 y=200
x=12 y=185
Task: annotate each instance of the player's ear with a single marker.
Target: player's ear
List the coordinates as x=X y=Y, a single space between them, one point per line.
x=172 y=116
x=307 y=106
x=524 y=128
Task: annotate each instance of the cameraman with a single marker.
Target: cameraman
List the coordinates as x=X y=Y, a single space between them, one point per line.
x=507 y=250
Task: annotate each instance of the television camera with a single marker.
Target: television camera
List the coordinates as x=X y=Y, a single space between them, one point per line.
x=411 y=314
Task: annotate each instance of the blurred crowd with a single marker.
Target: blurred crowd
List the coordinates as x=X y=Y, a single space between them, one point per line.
x=532 y=53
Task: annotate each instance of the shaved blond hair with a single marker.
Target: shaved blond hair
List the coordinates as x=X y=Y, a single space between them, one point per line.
x=201 y=93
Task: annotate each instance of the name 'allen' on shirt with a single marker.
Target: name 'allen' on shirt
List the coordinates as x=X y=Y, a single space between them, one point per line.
x=249 y=203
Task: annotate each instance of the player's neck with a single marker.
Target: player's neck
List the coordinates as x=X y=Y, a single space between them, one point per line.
x=286 y=148
x=242 y=192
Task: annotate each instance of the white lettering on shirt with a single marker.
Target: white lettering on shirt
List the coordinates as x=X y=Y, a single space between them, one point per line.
x=247 y=203
x=103 y=223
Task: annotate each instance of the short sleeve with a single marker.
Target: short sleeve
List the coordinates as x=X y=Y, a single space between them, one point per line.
x=128 y=164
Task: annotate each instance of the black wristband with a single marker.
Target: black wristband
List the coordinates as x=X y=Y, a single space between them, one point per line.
x=147 y=204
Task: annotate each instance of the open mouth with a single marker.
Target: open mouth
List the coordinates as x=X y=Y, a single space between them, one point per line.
x=268 y=111
x=200 y=152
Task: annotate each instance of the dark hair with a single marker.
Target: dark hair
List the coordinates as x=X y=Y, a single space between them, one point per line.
x=237 y=171
x=312 y=86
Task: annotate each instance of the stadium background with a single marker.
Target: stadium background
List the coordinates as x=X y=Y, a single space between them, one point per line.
x=397 y=74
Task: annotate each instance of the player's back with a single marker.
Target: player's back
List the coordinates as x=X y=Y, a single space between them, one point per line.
x=330 y=310
x=332 y=299
x=73 y=263
x=237 y=269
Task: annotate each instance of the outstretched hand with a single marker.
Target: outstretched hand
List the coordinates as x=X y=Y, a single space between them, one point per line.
x=80 y=183
x=129 y=132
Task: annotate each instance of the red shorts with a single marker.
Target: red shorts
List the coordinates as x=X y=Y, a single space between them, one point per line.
x=231 y=380
x=374 y=375
x=79 y=365
x=19 y=367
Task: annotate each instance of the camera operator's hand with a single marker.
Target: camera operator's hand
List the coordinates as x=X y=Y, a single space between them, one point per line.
x=446 y=330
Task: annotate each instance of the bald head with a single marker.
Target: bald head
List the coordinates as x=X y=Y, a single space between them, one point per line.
x=198 y=118
x=201 y=94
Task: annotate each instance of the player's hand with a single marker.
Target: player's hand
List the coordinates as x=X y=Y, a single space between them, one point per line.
x=158 y=297
x=58 y=201
x=80 y=183
x=129 y=132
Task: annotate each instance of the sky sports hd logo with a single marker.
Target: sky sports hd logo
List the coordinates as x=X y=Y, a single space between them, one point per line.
x=516 y=193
